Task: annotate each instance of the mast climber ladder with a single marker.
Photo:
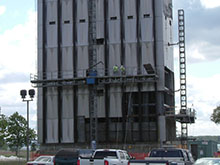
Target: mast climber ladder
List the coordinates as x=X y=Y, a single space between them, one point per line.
x=182 y=65
x=92 y=70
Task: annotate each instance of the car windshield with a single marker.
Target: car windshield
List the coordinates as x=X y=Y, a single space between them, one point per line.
x=43 y=159
x=104 y=154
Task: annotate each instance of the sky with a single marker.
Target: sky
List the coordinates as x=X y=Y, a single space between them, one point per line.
x=18 y=58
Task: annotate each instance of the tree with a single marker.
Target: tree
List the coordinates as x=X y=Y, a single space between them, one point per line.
x=215 y=117
x=17 y=130
x=3 y=130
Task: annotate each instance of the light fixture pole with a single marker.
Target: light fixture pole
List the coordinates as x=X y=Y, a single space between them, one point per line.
x=23 y=94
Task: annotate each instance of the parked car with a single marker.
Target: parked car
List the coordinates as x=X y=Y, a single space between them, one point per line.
x=42 y=160
x=177 y=155
x=106 y=157
x=207 y=161
x=69 y=156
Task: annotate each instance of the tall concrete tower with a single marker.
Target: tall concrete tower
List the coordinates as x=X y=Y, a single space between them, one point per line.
x=82 y=95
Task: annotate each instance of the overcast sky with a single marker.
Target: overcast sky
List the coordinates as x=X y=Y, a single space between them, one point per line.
x=18 y=58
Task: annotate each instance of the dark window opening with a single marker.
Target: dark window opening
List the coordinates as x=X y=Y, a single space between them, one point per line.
x=170 y=23
x=52 y=22
x=100 y=41
x=100 y=92
x=113 y=18
x=67 y=21
x=146 y=15
x=82 y=20
x=130 y=17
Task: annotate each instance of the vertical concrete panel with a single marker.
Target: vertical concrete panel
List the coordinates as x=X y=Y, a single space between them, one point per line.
x=67 y=23
x=52 y=115
x=130 y=8
x=67 y=115
x=101 y=106
x=130 y=21
x=82 y=34
x=51 y=65
x=146 y=7
x=147 y=49
x=115 y=102
x=147 y=30
x=40 y=115
x=114 y=56
x=82 y=22
x=100 y=57
x=82 y=60
x=83 y=102
x=162 y=128
x=52 y=24
x=39 y=63
x=82 y=10
x=168 y=39
x=114 y=31
x=99 y=19
x=67 y=62
x=114 y=8
x=131 y=58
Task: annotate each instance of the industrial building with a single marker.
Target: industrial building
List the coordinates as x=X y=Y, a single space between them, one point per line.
x=105 y=72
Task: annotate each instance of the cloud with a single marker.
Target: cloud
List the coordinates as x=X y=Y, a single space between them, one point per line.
x=203 y=96
x=18 y=59
x=18 y=47
x=2 y=10
x=210 y=3
x=202 y=29
x=14 y=78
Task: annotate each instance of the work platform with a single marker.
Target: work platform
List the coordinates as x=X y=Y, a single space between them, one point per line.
x=53 y=79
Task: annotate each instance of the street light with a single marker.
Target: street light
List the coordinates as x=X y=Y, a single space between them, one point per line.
x=23 y=94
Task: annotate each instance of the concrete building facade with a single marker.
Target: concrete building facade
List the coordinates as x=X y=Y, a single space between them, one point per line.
x=130 y=107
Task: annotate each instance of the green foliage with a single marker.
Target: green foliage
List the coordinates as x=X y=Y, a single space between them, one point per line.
x=215 y=117
x=3 y=130
x=16 y=132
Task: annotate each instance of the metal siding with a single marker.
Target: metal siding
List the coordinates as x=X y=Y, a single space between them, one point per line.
x=146 y=7
x=52 y=115
x=67 y=115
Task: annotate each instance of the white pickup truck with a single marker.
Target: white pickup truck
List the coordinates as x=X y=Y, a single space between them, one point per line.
x=106 y=157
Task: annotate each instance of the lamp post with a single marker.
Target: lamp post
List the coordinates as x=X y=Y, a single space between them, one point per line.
x=23 y=94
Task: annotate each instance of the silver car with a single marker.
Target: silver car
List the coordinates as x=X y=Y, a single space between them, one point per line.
x=42 y=160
